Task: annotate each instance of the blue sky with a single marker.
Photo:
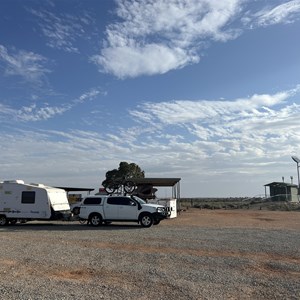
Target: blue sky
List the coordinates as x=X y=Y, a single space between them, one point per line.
x=205 y=90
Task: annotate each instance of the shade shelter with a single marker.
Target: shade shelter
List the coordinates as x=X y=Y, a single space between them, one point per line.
x=146 y=188
x=174 y=183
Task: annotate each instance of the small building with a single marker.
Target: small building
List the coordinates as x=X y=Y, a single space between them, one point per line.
x=281 y=191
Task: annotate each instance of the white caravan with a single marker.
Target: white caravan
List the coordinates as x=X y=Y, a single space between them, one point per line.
x=20 y=201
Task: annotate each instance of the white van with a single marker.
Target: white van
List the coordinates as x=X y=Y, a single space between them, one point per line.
x=20 y=201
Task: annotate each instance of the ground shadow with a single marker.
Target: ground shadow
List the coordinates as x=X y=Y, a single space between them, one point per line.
x=67 y=226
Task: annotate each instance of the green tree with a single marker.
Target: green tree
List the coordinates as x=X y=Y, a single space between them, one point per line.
x=125 y=170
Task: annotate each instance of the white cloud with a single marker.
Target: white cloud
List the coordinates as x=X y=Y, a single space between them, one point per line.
x=179 y=28
x=28 y=65
x=287 y=12
x=156 y=36
x=149 y=59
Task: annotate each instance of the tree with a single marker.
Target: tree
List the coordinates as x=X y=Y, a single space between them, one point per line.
x=125 y=170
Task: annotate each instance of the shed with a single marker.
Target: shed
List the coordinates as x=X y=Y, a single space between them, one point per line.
x=281 y=191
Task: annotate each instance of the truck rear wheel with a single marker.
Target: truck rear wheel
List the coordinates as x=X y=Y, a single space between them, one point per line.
x=3 y=220
x=146 y=220
x=76 y=211
x=95 y=220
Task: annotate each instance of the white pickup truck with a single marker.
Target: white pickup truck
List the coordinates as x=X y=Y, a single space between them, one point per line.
x=106 y=209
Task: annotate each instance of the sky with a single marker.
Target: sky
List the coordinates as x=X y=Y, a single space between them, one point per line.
x=204 y=90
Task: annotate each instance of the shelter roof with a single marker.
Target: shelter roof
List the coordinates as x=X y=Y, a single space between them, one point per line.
x=156 y=181
x=75 y=189
x=280 y=184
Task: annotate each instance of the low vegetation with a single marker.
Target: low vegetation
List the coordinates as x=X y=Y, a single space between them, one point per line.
x=238 y=203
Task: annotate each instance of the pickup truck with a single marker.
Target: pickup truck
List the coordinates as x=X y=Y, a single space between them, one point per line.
x=106 y=209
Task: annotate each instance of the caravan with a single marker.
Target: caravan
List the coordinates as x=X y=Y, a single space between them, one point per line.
x=24 y=202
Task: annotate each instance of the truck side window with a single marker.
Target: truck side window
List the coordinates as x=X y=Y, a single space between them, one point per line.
x=114 y=201
x=120 y=201
x=129 y=202
x=28 y=197
x=92 y=201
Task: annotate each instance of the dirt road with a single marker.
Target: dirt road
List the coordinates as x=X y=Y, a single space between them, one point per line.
x=202 y=254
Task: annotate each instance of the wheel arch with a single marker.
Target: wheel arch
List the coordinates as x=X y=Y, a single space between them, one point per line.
x=95 y=213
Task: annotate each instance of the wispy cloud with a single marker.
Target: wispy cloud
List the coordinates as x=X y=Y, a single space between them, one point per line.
x=90 y=95
x=243 y=125
x=33 y=113
x=287 y=12
x=220 y=140
x=62 y=30
x=29 y=65
x=186 y=111
x=41 y=112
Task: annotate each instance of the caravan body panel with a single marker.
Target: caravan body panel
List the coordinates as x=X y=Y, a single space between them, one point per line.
x=58 y=199
x=30 y=201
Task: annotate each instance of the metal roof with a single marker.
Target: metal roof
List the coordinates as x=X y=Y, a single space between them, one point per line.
x=280 y=184
x=74 y=189
x=156 y=181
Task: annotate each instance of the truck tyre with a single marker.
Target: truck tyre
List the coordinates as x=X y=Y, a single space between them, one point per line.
x=3 y=220
x=146 y=220
x=95 y=219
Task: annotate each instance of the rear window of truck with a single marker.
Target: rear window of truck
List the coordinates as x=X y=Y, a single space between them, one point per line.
x=92 y=201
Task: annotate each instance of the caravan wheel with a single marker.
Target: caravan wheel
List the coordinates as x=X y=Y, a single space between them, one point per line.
x=3 y=221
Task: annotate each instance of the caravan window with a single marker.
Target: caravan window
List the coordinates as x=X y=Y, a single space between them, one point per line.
x=28 y=197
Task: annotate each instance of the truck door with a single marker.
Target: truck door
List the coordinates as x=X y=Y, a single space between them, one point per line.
x=111 y=208
x=120 y=208
x=128 y=209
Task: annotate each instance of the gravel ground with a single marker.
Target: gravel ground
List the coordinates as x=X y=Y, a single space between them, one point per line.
x=199 y=255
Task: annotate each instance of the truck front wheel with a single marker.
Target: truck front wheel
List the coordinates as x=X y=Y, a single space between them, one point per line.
x=146 y=220
x=95 y=220
x=3 y=220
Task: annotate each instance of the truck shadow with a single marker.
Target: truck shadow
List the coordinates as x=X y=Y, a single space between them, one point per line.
x=68 y=226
